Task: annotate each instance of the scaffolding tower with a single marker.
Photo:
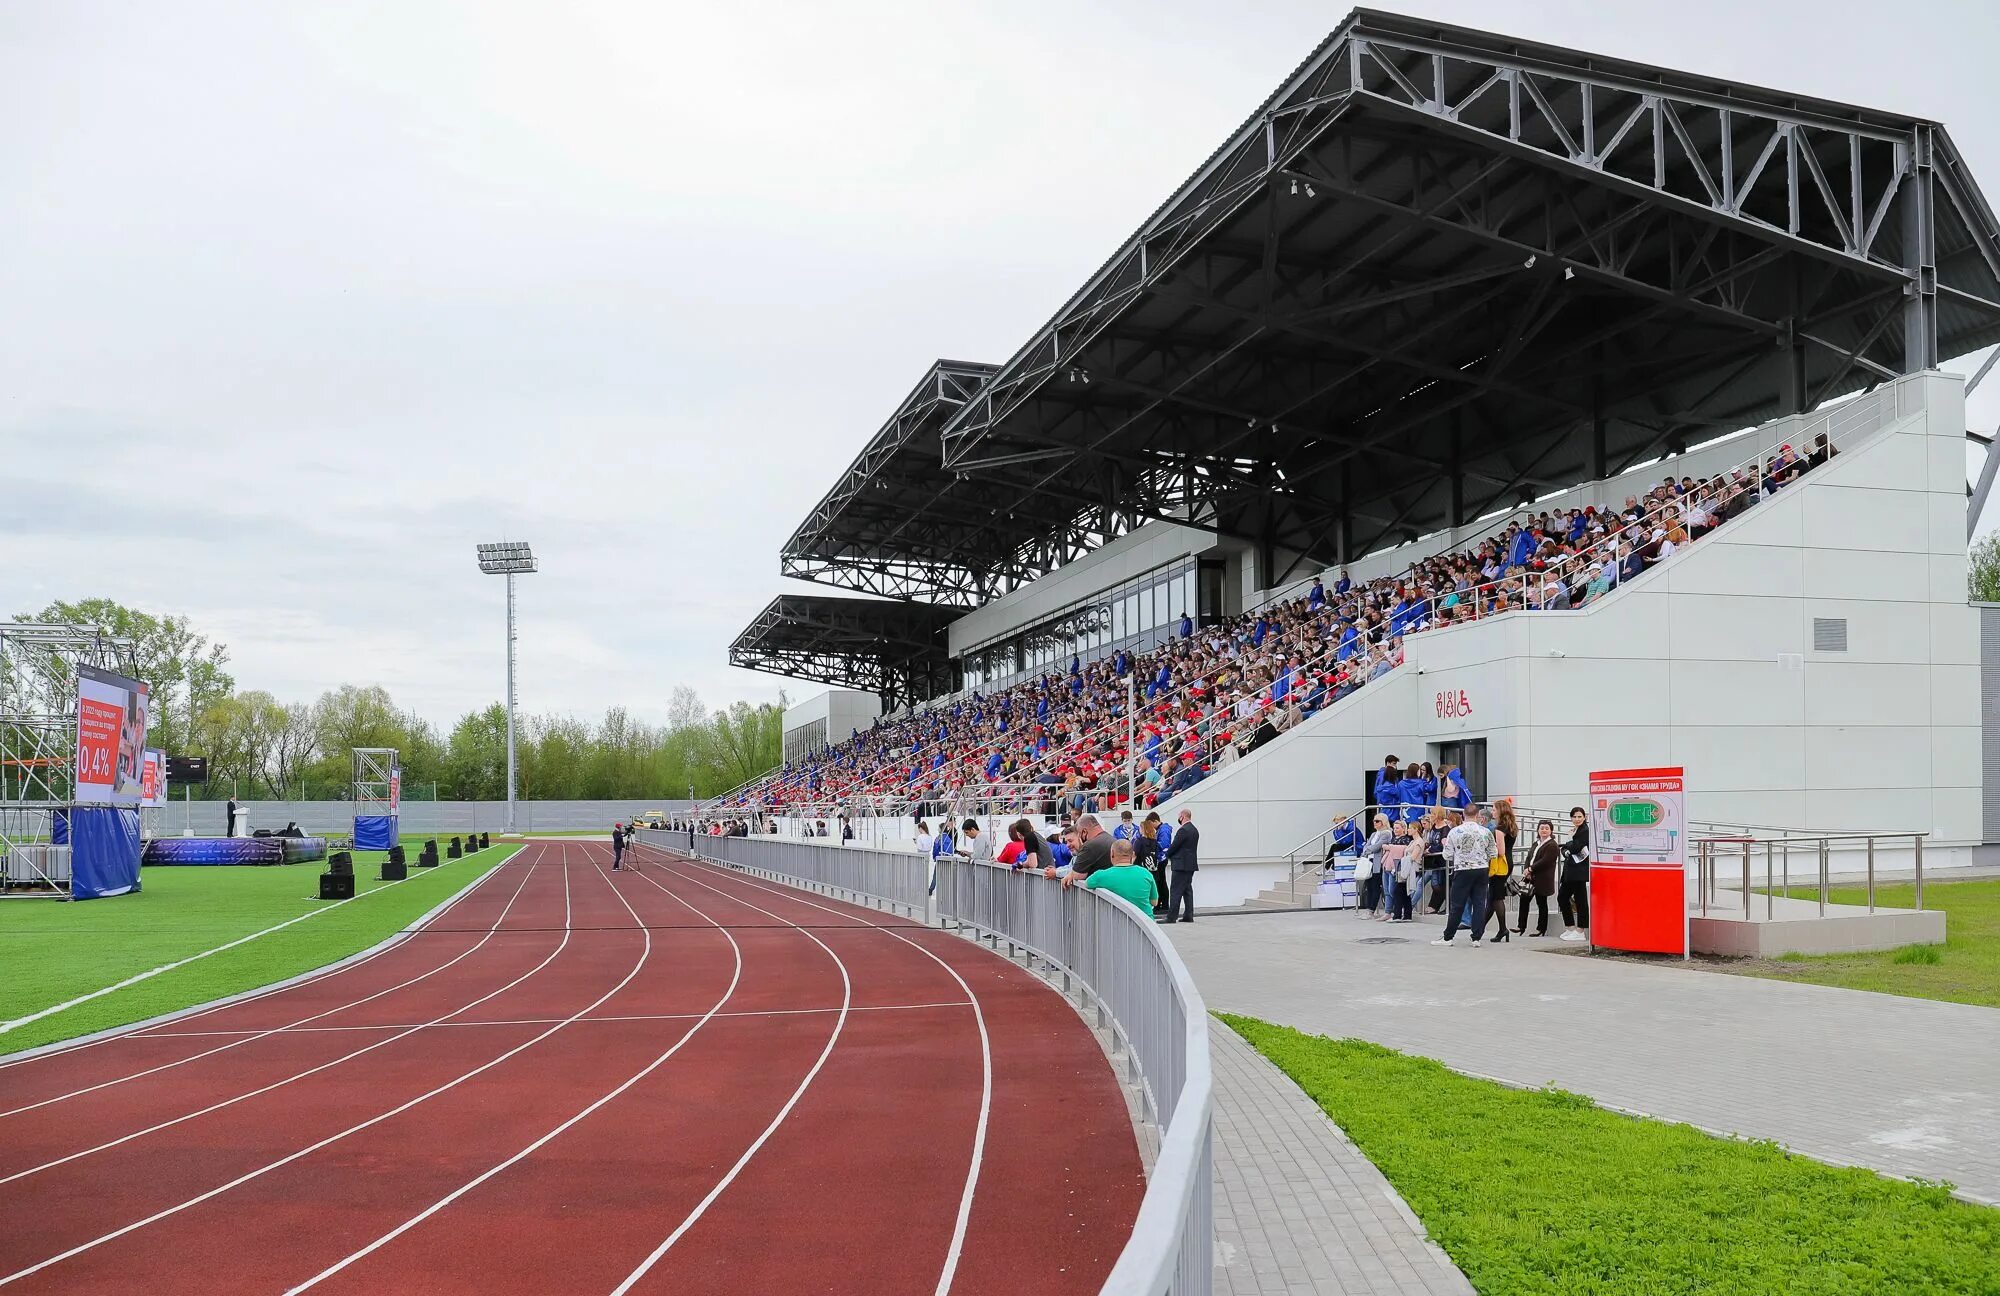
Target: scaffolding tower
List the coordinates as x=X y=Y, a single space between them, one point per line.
x=38 y=725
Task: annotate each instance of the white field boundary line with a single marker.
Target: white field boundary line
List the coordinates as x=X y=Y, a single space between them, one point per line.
x=839 y=1024
x=150 y=973
x=300 y=1075
x=330 y=1139
x=589 y=1021
x=728 y=993
x=249 y=1037
x=957 y=1247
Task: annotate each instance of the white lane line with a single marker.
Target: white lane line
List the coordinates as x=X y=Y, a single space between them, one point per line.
x=150 y=973
x=701 y=1207
x=278 y=1084
x=459 y=1192
x=952 y=1254
x=252 y=1036
x=242 y=1179
x=616 y=1017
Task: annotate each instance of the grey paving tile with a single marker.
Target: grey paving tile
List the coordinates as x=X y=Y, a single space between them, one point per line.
x=1306 y=1214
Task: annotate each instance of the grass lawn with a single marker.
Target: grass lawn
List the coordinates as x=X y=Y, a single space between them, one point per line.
x=53 y=951
x=1543 y=1191
x=1965 y=969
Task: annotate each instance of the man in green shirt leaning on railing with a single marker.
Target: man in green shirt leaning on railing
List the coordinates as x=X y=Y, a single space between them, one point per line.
x=1124 y=879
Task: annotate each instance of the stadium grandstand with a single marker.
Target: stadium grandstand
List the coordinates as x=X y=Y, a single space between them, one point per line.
x=1510 y=408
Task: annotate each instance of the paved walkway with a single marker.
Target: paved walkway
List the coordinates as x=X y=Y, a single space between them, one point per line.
x=1906 y=1086
x=1298 y=1208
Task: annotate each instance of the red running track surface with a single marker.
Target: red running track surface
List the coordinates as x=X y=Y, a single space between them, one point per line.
x=673 y=1078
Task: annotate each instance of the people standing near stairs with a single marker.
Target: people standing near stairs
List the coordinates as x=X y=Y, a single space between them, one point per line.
x=1468 y=849
x=1182 y=864
x=1573 y=893
x=1433 y=886
x=1544 y=857
x=1389 y=788
x=1368 y=872
x=1146 y=853
x=1506 y=829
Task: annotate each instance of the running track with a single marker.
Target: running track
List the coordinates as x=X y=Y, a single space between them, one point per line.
x=673 y=1078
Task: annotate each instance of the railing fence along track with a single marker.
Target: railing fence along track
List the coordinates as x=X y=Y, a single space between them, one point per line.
x=1102 y=951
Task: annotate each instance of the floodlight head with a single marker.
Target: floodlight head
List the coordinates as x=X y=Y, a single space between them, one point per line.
x=505 y=558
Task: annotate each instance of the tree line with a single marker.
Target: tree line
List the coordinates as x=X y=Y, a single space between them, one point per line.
x=258 y=746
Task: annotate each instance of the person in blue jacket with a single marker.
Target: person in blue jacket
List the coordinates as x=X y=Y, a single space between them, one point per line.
x=1419 y=791
x=1164 y=837
x=1453 y=790
x=1316 y=596
x=1389 y=787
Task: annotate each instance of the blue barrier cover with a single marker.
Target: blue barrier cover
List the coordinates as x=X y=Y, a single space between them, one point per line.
x=104 y=852
x=375 y=832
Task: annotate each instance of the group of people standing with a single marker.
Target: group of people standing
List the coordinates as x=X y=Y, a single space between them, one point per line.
x=1465 y=863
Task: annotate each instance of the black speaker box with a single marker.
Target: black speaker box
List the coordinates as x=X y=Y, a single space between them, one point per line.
x=394 y=870
x=336 y=886
x=341 y=864
x=452 y=851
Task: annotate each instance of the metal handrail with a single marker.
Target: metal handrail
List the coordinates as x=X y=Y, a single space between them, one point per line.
x=1707 y=870
x=1098 y=944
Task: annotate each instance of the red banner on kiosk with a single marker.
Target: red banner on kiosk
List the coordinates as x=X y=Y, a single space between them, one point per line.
x=1638 y=868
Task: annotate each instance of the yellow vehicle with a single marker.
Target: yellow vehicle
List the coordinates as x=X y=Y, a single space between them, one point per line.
x=650 y=819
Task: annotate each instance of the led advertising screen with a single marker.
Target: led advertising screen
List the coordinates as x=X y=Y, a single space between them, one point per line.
x=153 y=782
x=110 y=738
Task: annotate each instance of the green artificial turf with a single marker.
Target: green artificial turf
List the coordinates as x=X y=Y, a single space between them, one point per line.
x=53 y=951
x=1965 y=969
x=1542 y=1191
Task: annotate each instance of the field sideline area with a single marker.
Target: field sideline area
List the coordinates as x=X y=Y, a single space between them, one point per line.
x=56 y=953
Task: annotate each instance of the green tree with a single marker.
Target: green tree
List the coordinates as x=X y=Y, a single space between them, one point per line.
x=186 y=672
x=1983 y=574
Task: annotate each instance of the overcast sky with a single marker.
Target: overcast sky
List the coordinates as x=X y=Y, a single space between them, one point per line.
x=303 y=300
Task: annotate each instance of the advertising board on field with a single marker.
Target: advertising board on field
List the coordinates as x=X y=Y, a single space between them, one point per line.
x=110 y=739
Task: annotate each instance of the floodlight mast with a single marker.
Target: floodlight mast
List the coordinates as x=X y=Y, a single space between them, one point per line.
x=508 y=559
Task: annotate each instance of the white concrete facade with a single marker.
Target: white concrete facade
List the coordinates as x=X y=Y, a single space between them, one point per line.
x=1706 y=662
x=839 y=713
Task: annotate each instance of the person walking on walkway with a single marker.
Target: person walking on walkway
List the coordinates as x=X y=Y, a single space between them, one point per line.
x=1182 y=864
x=617 y=846
x=1468 y=849
x=1540 y=867
x=1573 y=895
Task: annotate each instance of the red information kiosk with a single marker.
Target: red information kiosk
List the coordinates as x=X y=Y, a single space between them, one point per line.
x=1638 y=868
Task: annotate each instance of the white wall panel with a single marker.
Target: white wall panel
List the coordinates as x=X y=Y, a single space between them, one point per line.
x=1954 y=633
x=1955 y=697
x=1861 y=757
x=1738 y=627
x=1751 y=758
x=1877 y=631
x=1948 y=578
x=1893 y=521
x=1644 y=620
x=1866 y=693
x=1899 y=462
x=1865 y=574
x=1735 y=693
x=1764 y=571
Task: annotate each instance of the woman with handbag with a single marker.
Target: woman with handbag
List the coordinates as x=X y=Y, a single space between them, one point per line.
x=1573 y=895
x=1505 y=829
x=1538 y=878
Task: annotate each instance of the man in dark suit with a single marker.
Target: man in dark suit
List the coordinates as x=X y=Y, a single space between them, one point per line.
x=1182 y=863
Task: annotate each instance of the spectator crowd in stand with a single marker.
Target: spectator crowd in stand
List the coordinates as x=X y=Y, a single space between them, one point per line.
x=1212 y=693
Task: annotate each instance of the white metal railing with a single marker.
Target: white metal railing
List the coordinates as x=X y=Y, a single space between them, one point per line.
x=1099 y=948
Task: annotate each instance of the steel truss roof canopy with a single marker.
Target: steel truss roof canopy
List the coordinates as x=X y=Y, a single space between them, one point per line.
x=894 y=649
x=898 y=526
x=1441 y=272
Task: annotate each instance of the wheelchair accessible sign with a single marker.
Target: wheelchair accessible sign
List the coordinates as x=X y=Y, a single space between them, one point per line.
x=1638 y=870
